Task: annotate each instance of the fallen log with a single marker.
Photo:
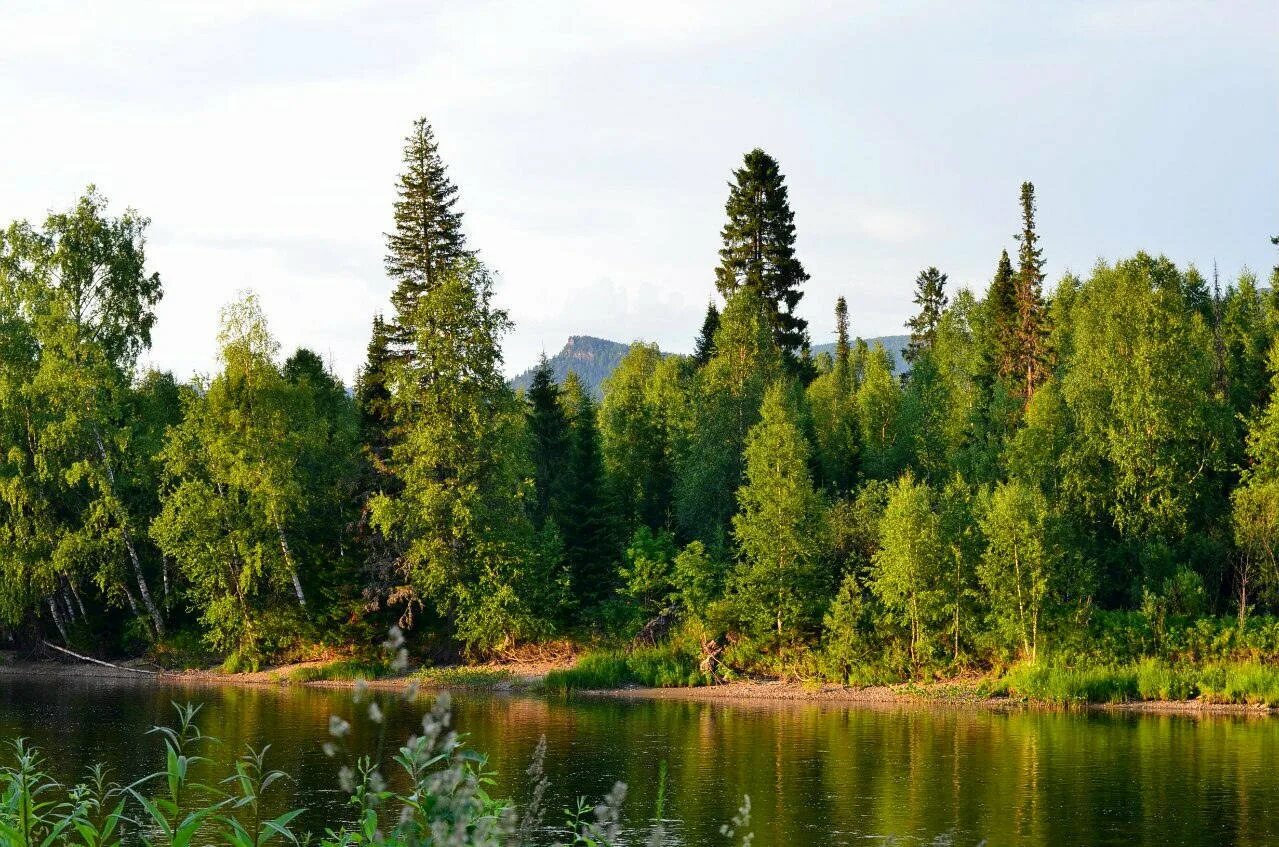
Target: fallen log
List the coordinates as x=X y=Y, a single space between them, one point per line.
x=97 y=661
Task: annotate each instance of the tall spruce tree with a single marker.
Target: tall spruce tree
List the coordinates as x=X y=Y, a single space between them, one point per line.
x=930 y=297
x=1030 y=359
x=843 y=348
x=759 y=248
x=428 y=237
x=462 y=465
x=704 y=348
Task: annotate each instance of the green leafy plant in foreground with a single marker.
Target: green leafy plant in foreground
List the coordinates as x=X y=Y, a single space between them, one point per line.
x=446 y=801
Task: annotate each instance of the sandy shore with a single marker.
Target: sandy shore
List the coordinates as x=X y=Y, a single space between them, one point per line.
x=962 y=693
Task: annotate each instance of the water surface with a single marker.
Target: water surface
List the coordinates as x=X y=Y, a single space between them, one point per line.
x=816 y=773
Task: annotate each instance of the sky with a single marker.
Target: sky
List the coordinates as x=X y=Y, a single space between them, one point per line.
x=592 y=144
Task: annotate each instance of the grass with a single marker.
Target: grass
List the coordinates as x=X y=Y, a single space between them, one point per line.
x=653 y=667
x=463 y=677
x=341 y=670
x=1238 y=683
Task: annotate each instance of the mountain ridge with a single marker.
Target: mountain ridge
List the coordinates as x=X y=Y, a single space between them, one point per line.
x=593 y=358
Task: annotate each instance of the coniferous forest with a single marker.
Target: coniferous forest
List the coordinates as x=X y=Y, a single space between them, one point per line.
x=1071 y=470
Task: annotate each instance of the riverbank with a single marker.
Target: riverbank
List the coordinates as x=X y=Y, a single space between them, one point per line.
x=966 y=692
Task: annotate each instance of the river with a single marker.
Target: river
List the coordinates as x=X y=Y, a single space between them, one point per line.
x=819 y=774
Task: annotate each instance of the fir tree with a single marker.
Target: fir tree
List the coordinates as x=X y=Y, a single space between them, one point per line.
x=1030 y=360
x=428 y=237
x=705 y=345
x=759 y=248
x=549 y=433
x=930 y=297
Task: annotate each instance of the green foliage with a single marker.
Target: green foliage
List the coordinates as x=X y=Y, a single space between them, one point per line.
x=460 y=460
x=724 y=405
x=780 y=529
x=647 y=570
x=879 y=400
x=638 y=427
x=909 y=567
x=1019 y=565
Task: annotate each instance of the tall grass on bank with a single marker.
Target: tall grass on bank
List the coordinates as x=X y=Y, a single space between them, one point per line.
x=664 y=666
x=1243 y=683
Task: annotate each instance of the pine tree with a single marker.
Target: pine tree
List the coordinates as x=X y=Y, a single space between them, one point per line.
x=759 y=248
x=930 y=297
x=551 y=442
x=428 y=237
x=704 y=348
x=1030 y=360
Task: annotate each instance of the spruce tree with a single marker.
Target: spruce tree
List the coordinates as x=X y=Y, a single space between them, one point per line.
x=930 y=297
x=591 y=547
x=704 y=348
x=428 y=237
x=550 y=437
x=372 y=394
x=1001 y=306
x=759 y=248
x=1030 y=360
x=462 y=467
x=843 y=349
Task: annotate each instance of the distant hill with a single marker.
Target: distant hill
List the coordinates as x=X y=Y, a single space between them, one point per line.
x=593 y=359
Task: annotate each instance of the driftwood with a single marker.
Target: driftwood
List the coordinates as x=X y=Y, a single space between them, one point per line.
x=657 y=628
x=711 y=650
x=97 y=661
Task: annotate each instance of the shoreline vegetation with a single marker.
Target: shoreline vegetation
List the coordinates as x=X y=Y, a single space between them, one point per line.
x=1149 y=687
x=1068 y=495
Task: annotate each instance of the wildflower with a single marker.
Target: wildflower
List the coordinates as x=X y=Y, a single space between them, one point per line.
x=338 y=727
x=346 y=779
x=401 y=661
x=330 y=749
x=375 y=713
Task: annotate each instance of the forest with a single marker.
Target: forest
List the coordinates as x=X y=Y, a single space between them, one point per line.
x=1087 y=469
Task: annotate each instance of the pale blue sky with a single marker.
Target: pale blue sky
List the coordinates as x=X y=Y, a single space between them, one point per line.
x=592 y=143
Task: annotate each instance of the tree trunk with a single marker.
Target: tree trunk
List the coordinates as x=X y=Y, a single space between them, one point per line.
x=288 y=562
x=156 y=619
x=76 y=594
x=57 y=620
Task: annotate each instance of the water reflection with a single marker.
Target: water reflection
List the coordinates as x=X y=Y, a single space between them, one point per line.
x=816 y=773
